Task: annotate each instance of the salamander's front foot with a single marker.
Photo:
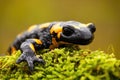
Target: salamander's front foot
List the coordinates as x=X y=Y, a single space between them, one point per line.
x=30 y=58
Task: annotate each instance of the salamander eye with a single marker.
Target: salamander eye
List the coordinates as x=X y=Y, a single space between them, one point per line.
x=68 y=30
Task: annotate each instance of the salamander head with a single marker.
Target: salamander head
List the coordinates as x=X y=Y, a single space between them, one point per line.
x=75 y=32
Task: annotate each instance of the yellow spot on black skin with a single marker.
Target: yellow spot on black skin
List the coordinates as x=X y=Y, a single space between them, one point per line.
x=88 y=24
x=38 y=41
x=13 y=49
x=31 y=28
x=56 y=28
x=32 y=47
x=81 y=25
x=44 y=25
x=54 y=44
x=58 y=35
x=20 y=34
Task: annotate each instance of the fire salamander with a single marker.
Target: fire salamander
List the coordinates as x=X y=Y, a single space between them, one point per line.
x=50 y=35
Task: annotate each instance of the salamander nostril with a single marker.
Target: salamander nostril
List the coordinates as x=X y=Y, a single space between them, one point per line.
x=92 y=28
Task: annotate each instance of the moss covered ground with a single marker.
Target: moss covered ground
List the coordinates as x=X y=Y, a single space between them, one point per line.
x=63 y=64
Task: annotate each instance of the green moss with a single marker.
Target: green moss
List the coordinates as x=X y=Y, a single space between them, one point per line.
x=64 y=63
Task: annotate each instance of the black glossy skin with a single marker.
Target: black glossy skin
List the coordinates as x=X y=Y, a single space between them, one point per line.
x=50 y=35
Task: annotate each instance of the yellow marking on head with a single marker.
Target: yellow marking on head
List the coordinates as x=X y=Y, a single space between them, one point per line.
x=31 y=28
x=13 y=49
x=38 y=41
x=80 y=25
x=54 y=44
x=32 y=47
x=88 y=24
x=45 y=25
x=56 y=28
x=19 y=34
x=58 y=35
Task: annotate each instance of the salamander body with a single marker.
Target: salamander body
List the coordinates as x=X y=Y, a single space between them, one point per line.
x=50 y=35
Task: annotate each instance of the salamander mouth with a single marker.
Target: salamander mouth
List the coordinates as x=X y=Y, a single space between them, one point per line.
x=86 y=42
x=77 y=40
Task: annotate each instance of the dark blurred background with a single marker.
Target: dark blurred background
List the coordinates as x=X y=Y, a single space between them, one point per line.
x=18 y=15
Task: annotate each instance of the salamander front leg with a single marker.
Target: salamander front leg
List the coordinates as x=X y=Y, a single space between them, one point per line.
x=28 y=55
